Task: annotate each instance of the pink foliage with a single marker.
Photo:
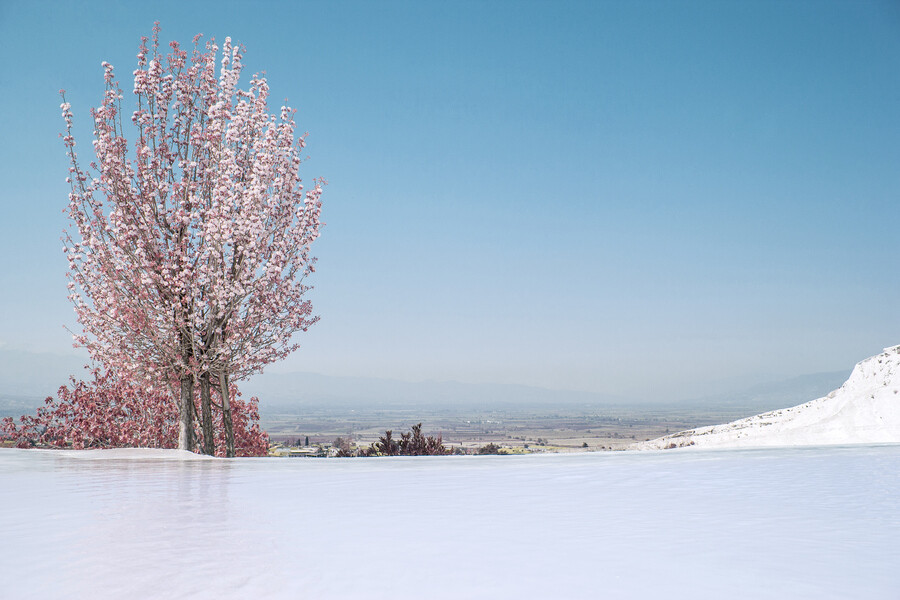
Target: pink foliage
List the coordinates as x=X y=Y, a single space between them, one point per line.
x=189 y=246
x=189 y=253
x=108 y=412
x=249 y=439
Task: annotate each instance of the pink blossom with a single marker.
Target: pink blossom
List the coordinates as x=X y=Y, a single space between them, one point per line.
x=189 y=256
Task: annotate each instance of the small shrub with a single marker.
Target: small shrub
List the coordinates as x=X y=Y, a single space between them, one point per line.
x=490 y=448
x=412 y=443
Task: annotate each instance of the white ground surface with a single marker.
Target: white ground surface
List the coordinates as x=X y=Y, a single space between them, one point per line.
x=865 y=410
x=775 y=523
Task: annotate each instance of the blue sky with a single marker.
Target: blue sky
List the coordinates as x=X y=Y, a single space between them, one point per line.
x=639 y=198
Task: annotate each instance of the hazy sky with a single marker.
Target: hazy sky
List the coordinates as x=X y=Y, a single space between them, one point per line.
x=627 y=197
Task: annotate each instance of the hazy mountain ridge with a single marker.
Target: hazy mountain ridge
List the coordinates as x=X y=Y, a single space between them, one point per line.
x=777 y=394
x=309 y=389
x=27 y=378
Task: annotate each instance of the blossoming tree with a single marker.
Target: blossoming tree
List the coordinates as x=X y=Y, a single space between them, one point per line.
x=188 y=254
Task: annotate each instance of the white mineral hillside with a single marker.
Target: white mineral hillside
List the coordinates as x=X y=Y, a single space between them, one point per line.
x=865 y=410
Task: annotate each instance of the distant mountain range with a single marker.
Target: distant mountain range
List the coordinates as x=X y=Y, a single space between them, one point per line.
x=776 y=394
x=310 y=389
x=27 y=378
x=31 y=374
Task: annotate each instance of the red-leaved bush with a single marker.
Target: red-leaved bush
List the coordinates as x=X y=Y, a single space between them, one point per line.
x=110 y=412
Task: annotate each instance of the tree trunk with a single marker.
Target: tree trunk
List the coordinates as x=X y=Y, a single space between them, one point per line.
x=185 y=414
x=226 y=415
x=209 y=441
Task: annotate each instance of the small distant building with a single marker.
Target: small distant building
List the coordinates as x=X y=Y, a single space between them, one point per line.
x=309 y=451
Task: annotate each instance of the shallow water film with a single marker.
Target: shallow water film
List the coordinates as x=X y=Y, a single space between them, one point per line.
x=777 y=523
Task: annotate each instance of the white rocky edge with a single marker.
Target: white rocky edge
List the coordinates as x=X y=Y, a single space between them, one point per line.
x=865 y=410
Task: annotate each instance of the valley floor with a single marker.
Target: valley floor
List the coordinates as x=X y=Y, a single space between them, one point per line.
x=516 y=429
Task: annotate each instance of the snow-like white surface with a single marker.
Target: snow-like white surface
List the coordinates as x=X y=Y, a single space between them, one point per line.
x=133 y=454
x=775 y=523
x=865 y=410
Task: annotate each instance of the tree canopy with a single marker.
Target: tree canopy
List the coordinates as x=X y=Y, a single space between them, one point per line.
x=188 y=253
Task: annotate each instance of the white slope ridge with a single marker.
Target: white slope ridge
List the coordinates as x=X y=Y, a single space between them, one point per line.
x=865 y=410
